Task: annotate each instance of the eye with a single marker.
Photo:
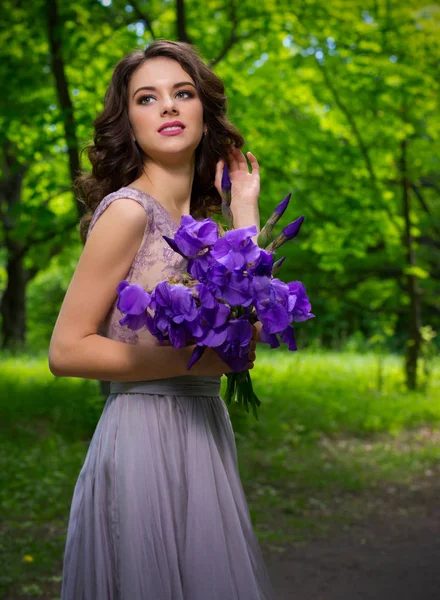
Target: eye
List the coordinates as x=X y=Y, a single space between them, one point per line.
x=188 y=93
x=142 y=98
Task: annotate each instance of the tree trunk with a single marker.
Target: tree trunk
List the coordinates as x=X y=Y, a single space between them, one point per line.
x=182 y=33
x=414 y=311
x=12 y=301
x=55 y=36
x=13 y=305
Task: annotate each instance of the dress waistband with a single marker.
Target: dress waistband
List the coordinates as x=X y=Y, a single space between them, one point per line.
x=186 y=385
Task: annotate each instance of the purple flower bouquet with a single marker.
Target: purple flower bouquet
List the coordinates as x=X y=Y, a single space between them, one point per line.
x=228 y=286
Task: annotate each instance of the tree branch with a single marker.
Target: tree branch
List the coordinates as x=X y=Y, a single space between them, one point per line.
x=362 y=146
x=424 y=205
x=141 y=15
x=233 y=38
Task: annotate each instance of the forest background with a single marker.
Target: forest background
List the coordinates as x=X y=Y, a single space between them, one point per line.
x=339 y=101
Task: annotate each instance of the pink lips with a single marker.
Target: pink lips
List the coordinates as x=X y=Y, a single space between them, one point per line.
x=171 y=132
x=172 y=124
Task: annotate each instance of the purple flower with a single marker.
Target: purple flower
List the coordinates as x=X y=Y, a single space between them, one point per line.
x=269 y=338
x=226 y=197
x=279 y=210
x=292 y=230
x=134 y=322
x=193 y=236
x=235 y=350
x=301 y=308
x=288 y=233
x=233 y=287
x=275 y=318
x=175 y=310
x=277 y=214
x=199 y=266
x=237 y=363
x=226 y=181
x=133 y=300
x=288 y=337
x=195 y=356
x=263 y=264
x=227 y=215
x=214 y=317
x=271 y=298
x=235 y=249
x=278 y=305
x=277 y=265
x=173 y=245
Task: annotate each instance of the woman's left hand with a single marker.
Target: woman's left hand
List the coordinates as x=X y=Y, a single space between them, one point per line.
x=245 y=185
x=258 y=325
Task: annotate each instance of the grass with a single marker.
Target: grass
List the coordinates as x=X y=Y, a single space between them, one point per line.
x=326 y=435
x=36 y=483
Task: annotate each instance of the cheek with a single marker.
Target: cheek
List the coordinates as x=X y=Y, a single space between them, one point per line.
x=198 y=113
x=139 y=120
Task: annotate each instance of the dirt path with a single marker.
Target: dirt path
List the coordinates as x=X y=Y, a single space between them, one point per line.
x=391 y=553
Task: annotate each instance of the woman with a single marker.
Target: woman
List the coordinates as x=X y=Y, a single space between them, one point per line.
x=158 y=511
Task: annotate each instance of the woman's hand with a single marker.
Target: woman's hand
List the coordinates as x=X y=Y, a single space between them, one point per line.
x=245 y=189
x=258 y=325
x=245 y=185
x=211 y=364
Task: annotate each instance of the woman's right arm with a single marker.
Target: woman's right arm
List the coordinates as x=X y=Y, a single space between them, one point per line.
x=76 y=348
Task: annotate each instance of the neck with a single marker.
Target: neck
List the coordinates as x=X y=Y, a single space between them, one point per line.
x=169 y=184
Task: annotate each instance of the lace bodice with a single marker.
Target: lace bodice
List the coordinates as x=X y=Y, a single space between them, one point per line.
x=154 y=261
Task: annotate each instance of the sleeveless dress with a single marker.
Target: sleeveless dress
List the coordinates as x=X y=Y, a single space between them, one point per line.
x=158 y=510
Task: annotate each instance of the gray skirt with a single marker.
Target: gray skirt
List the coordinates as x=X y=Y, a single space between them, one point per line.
x=159 y=511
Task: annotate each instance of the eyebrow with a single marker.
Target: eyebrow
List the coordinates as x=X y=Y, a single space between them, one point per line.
x=153 y=89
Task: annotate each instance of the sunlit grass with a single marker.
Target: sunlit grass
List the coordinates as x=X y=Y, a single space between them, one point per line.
x=329 y=392
x=33 y=402
x=324 y=431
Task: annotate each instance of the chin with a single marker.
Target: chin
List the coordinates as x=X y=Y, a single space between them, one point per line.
x=174 y=150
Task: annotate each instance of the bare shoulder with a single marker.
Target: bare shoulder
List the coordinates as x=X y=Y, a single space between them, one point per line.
x=122 y=211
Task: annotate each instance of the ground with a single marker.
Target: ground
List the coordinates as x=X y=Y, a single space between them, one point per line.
x=392 y=551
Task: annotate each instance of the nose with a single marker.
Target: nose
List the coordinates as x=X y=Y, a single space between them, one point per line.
x=169 y=106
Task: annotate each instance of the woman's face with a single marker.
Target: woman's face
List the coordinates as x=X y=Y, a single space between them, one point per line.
x=174 y=98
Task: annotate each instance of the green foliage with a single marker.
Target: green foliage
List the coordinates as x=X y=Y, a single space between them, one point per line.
x=324 y=93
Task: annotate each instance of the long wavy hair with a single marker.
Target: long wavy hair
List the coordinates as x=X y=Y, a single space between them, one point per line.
x=117 y=160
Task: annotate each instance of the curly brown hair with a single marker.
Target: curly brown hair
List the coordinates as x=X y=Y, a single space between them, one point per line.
x=117 y=160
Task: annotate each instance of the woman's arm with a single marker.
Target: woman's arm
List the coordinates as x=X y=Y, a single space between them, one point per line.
x=76 y=349
x=246 y=216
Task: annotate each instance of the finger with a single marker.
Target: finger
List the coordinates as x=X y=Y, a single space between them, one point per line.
x=254 y=162
x=241 y=160
x=252 y=356
x=250 y=366
x=219 y=175
x=233 y=162
x=255 y=167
